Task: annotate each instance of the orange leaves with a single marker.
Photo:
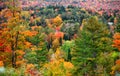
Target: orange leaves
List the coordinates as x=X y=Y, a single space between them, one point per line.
x=116 y=41
x=1 y=63
x=20 y=52
x=117 y=44
x=117 y=62
x=34 y=27
x=6 y=13
x=19 y=62
x=29 y=66
x=27 y=44
x=116 y=36
x=59 y=35
x=29 y=33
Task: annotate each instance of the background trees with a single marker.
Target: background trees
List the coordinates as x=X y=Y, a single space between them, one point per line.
x=56 y=40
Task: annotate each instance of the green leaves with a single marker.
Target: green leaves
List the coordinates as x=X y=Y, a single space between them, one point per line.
x=91 y=42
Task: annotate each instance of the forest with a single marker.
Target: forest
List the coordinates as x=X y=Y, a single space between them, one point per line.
x=58 y=41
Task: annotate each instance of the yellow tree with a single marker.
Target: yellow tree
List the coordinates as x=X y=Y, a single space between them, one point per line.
x=11 y=38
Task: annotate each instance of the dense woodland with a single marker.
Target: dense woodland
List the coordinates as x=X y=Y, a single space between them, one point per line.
x=58 y=41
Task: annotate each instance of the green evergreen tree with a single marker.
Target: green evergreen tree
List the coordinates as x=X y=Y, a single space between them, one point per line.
x=92 y=41
x=39 y=55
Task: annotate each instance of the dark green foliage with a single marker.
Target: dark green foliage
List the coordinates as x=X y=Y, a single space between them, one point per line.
x=70 y=29
x=39 y=55
x=91 y=42
x=117 y=29
x=35 y=40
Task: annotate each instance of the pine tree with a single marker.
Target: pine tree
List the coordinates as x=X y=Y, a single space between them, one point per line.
x=92 y=41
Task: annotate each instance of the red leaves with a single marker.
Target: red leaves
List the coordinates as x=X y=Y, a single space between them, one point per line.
x=1 y=44
x=4 y=48
x=7 y=49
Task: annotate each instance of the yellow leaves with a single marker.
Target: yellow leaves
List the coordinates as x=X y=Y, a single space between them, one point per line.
x=112 y=73
x=58 y=53
x=68 y=65
x=57 y=21
x=59 y=67
x=1 y=63
x=105 y=39
x=55 y=44
x=33 y=48
x=116 y=67
x=25 y=13
x=113 y=68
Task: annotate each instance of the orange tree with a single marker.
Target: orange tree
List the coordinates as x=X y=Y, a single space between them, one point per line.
x=11 y=38
x=116 y=44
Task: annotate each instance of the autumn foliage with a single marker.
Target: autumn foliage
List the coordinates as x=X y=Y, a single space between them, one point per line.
x=57 y=41
x=116 y=41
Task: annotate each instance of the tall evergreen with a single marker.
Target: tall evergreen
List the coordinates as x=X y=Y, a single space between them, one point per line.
x=92 y=44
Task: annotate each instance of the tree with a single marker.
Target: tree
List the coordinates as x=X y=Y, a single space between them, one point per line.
x=116 y=43
x=66 y=47
x=92 y=41
x=12 y=39
x=37 y=53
